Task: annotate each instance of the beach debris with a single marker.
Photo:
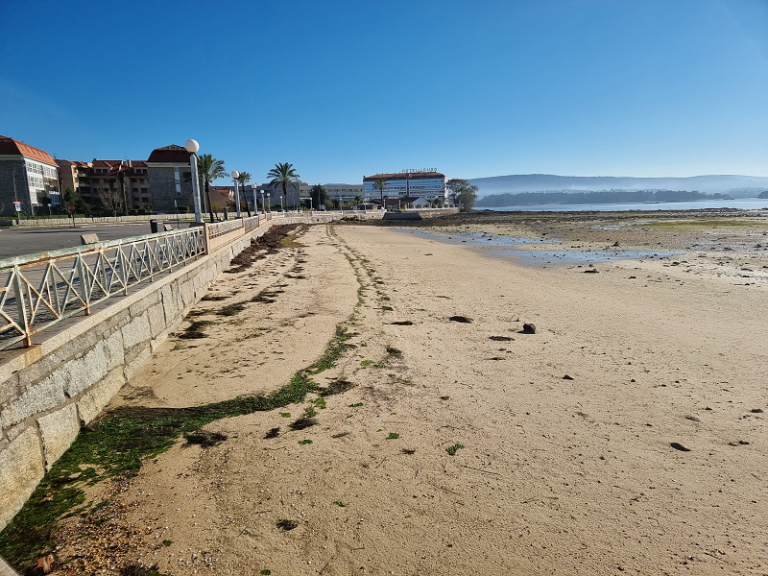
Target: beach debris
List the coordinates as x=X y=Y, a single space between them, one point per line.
x=461 y=319
x=273 y=433
x=678 y=446
x=592 y=271
x=287 y=525
x=529 y=328
x=204 y=438
x=692 y=418
x=567 y=377
x=303 y=422
x=756 y=411
x=402 y=323
x=444 y=397
x=739 y=443
x=408 y=451
x=501 y=338
x=45 y=564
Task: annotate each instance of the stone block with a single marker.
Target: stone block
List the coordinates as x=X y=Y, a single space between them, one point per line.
x=10 y=389
x=93 y=402
x=21 y=468
x=156 y=319
x=114 y=349
x=88 y=239
x=86 y=371
x=187 y=293
x=58 y=429
x=135 y=358
x=46 y=394
x=136 y=332
x=149 y=300
x=171 y=306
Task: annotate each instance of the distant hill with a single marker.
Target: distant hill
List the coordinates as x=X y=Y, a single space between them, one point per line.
x=734 y=186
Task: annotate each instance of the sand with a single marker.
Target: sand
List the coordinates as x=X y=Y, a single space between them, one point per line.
x=566 y=465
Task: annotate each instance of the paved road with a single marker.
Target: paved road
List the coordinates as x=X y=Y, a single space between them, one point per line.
x=17 y=241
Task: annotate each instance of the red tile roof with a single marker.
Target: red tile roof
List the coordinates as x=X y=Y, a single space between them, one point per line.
x=172 y=153
x=11 y=146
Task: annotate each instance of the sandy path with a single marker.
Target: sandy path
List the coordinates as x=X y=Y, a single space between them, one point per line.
x=556 y=475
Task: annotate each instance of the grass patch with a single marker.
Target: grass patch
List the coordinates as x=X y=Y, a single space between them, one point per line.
x=273 y=433
x=355 y=405
x=336 y=387
x=394 y=352
x=453 y=449
x=366 y=362
x=339 y=503
x=306 y=441
x=290 y=241
x=393 y=436
x=167 y=542
x=285 y=414
x=340 y=435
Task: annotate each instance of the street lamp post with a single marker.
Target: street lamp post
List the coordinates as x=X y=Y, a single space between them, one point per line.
x=235 y=175
x=270 y=203
x=310 y=204
x=192 y=147
x=263 y=208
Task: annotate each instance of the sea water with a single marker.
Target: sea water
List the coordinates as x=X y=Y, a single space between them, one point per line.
x=739 y=203
x=517 y=249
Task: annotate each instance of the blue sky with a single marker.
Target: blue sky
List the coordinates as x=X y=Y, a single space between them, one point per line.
x=342 y=89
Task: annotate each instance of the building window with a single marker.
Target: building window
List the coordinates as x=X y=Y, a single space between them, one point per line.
x=144 y=190
x=178 y=181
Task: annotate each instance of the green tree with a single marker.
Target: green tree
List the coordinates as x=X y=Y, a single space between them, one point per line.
x=379 y=185
x=72 y=198
x=283 y=177
x=358 y=200
x=319 y=195
x=462 y=193
x=209 y=169
x=244 y=178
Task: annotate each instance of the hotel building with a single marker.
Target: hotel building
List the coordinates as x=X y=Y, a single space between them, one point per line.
x=412 y=184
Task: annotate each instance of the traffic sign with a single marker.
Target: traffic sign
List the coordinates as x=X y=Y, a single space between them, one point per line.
x=17 y=206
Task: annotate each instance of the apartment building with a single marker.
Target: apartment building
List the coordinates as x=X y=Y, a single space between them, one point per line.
x=170 y=178
x=29 y=176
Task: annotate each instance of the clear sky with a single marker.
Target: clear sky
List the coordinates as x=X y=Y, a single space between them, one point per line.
x=342 y=89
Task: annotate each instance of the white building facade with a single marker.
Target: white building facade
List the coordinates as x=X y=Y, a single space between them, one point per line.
x=421 y=184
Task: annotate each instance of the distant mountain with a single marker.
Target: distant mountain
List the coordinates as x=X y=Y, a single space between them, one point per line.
x=734 y=186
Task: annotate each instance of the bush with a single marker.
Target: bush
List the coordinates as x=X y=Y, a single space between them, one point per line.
x=183 y=209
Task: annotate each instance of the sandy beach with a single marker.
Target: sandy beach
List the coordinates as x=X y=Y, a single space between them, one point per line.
x=626 y=435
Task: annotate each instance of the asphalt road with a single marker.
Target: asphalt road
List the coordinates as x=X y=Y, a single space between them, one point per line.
x=16 y=241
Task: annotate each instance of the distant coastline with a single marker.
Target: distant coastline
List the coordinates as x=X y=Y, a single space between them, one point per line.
x=589 y=197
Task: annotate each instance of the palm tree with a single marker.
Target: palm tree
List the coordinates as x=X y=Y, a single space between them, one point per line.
x=283 y=176
x=209 y=170
x=379 y=185
x=244 y=178
x=358 y=200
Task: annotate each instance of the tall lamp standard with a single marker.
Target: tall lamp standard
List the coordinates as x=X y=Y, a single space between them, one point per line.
x=235 y=175
x=263 y=208
x=192 y=147
x=270 y=203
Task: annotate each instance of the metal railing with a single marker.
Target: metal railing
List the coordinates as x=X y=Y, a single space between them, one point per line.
x=221 y=228
x=37 y=291
x=251 y=223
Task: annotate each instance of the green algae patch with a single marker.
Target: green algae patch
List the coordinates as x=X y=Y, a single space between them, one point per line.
x=117 y=444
